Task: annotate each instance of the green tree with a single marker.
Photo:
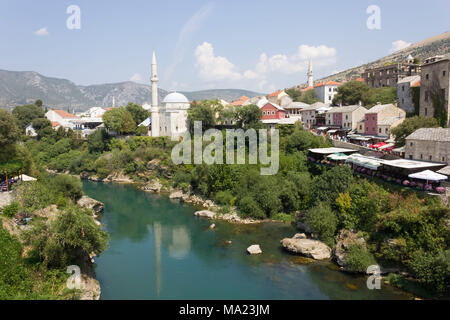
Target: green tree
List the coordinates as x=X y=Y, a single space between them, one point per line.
x=309 y=97
x=9 y=132
x=410 y=125
x=351 y=93
x=323 y=222
x=39 y=103
x=26 y=114
x=333 y=182
x=294 y=94
x=73 y=236
x=97 y=141
x=204 y=111
x=138 y=113
x=383 y=95
x=433 y=270
x=119 y=120
x=249 y=116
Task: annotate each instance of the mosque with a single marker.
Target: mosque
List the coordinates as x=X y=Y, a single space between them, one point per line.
x=170 y=119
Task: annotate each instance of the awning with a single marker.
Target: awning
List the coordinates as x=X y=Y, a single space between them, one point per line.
x=378 y=145
x=363 y=161
x=387 y=146
x=428 y=175
x=400 y=150
x=338 y=157
x=322 y=128
x=332 y=131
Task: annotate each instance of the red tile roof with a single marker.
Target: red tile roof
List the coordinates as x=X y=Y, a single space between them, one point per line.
x=64 y=114
x=240 y=101
x=307 y=89
x=360 y=80
x=55 y=124
x=275 y=94
x=108 y=109
x=327 y=83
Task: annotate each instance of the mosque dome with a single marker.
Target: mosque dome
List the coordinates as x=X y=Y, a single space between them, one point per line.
x=175 y=97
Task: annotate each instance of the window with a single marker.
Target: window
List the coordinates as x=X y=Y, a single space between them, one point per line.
x=410 y=157
x=443 y=159
x=421 y=157
x=426 y=111
x=431 y=158
x=403 y=100
x=360 y=127
x=346 y=117
x=379 y=130
x=444 y=73
x=403 y=88
x=387 y=130
x=273 y=113
x=427 y=77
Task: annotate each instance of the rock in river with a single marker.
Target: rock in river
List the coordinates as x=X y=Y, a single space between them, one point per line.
x=310 y=248
x=254 y=249
x=86 y=202
x=206 y=214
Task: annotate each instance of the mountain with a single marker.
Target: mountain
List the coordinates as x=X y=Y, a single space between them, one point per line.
x=433 y=46
x=18 y=88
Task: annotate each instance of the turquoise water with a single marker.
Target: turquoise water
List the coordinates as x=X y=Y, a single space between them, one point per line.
x=159 y=250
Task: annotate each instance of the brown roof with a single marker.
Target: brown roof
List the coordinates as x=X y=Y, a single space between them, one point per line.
x=431 y=134
x=64 y=114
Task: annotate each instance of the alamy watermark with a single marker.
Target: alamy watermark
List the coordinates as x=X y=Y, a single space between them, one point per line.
x=374 y=281
x=74 y=281
x=74 y=20
x=374 y=20
x=235 y=148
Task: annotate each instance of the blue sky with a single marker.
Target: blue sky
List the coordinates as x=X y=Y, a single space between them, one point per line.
x=249 y=44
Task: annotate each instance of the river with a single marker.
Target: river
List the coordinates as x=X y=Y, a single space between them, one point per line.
x=159 y=250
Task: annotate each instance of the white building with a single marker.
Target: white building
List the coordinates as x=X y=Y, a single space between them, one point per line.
x=326 y=91
x=29 y=131
x=94 y=112
x=170 y=119
x=62 y=117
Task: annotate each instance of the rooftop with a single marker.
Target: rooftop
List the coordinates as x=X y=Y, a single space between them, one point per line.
x=410 y=164
x=379 y=107
x=411 y=79
x=327 y=83
x=389 y=121
x=331 y=150
x=344 y=109
x=64 y=114
x=431 y=134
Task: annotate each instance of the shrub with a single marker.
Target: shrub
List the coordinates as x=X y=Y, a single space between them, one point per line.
x=69 y=238
x=224 y=197
x=358 y=259
x=249 y=208
x=69 y=186
x=11 y=210
x=323 y=223
x=432 y=270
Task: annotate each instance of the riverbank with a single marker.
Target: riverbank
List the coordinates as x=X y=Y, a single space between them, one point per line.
x=308 y=248
x=184 y=257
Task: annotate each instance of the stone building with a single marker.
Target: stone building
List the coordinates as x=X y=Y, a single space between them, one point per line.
x=380 y=119
x=390 y=75
x=345 y=117
x=435 y=85
x=405 y=93
x=429 y=144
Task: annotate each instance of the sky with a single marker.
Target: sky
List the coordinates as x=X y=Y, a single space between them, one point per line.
x=258 y=45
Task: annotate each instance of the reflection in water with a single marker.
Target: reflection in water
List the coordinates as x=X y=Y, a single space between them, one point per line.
x=157 y=233
x=181 y=243
x=196 y=261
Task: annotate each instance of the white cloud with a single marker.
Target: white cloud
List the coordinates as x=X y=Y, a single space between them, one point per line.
x=137 y=77
x=189 y=28
x=42 y=32
x=214 y=68
x=306 y=52
x=399 y=45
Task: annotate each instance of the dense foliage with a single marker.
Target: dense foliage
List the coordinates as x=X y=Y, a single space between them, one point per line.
x=409 y=126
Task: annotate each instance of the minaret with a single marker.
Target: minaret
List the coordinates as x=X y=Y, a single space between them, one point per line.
x=154 y=81
x=155 y=108
x=114 y=102
x=310 y=75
